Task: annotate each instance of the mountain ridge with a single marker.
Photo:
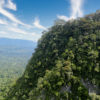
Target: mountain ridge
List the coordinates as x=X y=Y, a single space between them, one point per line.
x=65 y=64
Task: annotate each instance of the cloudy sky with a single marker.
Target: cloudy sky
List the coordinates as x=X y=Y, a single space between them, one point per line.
x=26 y=19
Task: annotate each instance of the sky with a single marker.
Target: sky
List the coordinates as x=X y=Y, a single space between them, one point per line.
x=27 y=19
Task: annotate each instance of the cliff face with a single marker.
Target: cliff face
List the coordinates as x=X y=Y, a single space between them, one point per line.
x=65 y=65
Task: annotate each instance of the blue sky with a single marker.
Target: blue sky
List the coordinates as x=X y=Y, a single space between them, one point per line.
x=26 y=19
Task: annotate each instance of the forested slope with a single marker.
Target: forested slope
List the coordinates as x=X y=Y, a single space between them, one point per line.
x=65 y=64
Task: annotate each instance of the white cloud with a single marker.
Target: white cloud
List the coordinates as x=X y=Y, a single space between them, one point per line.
x=76 y=10
x=63 y=17
x=3 y=32
x=36 y=36
x=11 y=5
x=2 y=2
x=26 y=34
x=38 y=25
x=3 y=22
x=17 y=30
x=10 y=16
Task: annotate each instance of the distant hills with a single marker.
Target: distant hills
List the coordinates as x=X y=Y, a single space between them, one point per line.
x=16 y=42
x=15 y=50
x=16 y=47
x=14 y=55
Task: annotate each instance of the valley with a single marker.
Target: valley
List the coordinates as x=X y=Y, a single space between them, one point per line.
x=14 y=55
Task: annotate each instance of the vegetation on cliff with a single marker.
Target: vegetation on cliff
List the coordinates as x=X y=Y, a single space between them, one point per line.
x=65 y=64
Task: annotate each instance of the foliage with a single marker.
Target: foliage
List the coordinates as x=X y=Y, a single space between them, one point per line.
x=65 y=64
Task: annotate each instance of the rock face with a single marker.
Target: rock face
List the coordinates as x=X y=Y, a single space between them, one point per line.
x=91 y=87
x=66 y=56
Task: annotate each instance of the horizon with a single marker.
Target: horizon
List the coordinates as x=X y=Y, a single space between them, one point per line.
x=4 y=38
x=27 y=20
